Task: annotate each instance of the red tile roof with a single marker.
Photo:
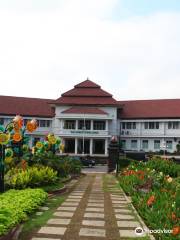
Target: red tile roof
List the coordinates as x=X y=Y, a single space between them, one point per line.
x=34 y=107
x=86 y=93
x=80 y=110
x=162 y=108
x=87 y=84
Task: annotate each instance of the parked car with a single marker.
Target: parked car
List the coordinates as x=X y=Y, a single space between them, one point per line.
x=87 y=161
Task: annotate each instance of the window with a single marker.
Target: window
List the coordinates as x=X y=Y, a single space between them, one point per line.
x=123 y=144
x=133 y=144
x=99 y=125
x=169 y=144
x=156 y=144
x=145 y=144
x=1 y=121
x=129 y=125
x=151 y=125
x=86 y=125
x=123 y=125
x=69 y=124
x=44 y=123
x=98 y=146
x=173 y=125
x=69 y=146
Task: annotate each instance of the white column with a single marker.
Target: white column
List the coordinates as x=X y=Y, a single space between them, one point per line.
x=91 y=124
x=106 y=146
x=76 y=145
x=91 y=146
x=107 y=127
x=76 y=124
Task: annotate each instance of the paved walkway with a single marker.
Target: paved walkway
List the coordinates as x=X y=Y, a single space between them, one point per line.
x=92 y=211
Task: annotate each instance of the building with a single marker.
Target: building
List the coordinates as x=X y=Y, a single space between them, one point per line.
x=86 y=117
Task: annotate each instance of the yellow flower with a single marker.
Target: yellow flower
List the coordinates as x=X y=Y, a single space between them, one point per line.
x=52 y=139
x=169 y=180
x=4 y=138
x=39 y=145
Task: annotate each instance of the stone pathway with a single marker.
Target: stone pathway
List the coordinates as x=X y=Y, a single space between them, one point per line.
x=92 y=211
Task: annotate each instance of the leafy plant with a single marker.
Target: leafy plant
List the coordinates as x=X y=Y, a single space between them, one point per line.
x=15 y=205
x=34 y=176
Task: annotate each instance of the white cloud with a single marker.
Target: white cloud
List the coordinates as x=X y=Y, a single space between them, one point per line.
x=44 y=53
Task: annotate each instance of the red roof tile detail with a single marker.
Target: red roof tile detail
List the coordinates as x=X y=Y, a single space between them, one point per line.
x=86 y=93
x=162 y=108
x=85 y=101
x=87 y=84
x=79 y=110
x=33 y=107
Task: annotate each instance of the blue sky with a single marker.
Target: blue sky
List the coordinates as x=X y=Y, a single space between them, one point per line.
x=145 y=7
x=130 y=47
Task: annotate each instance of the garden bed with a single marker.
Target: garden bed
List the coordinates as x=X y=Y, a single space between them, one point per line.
x=154 y=188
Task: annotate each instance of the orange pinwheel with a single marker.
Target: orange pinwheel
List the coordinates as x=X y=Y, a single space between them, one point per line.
x=31 y=125
x=18 y=122
x=17 y=137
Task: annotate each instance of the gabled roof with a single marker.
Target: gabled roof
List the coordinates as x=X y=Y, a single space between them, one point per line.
x=86 y=93
x=83 y=110
x=87 y=84
x=33 y=107
x=144 y=109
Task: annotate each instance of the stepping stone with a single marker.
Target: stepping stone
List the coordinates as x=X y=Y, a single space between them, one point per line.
x=95 y=205
x=39 y=238
x=39 y=213
x=63 y=214
x=128 y=224
x=44 y=208
x=92 y=232
x=120 y=205
x=95 y=201
x=67 y=208
x=94 y=209
x=121 y=210
x=123 y=216
x=74 y=197
x=120 y=202
x=70 y=204
x=93 y=223
x=52 y=230
x=59 y=221
x=72 y=200
x=129 y=233
x=94 y=215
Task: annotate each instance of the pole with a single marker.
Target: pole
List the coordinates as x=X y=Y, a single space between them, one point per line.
x=2 y=169
x=83 y=133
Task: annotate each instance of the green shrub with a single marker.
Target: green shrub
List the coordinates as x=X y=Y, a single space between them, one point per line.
x=64 y=165
x=34 y=176
x=16 y=204
x=168 y=167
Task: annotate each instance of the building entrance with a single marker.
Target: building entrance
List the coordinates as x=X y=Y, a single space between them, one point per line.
x=83 y=146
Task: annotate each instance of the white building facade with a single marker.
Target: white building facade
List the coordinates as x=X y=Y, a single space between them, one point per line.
x=86 y=117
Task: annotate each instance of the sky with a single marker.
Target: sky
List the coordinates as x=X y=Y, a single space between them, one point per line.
x=129 y=47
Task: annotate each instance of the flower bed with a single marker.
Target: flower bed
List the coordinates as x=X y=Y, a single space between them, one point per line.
x=155 y=194
x=15 y=205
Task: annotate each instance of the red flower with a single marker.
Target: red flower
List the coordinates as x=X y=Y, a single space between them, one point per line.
x=176 y=230
x=151 y=200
